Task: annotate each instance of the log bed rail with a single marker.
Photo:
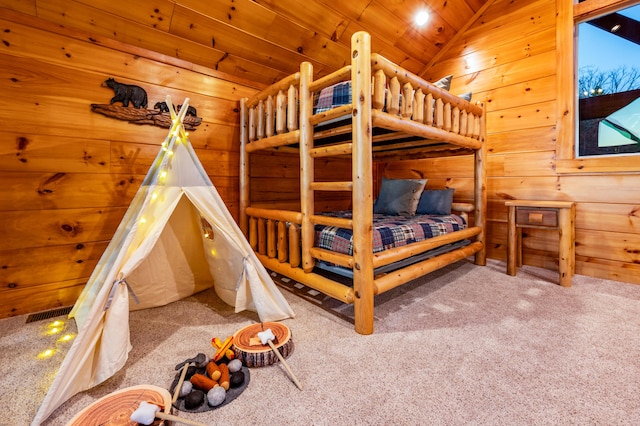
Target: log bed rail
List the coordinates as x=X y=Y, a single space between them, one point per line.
x=384 y=96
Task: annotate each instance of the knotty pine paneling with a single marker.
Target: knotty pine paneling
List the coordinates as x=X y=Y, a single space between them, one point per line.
x=69 y=174
x=508 y=59
x=522 y=140
x=33 y=229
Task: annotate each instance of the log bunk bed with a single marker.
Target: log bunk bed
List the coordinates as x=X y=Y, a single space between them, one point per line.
x=418 y=120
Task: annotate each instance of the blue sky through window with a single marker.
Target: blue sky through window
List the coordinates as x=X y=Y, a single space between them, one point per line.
x=606 y=51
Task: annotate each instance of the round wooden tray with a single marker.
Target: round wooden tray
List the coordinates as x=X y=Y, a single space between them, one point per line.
x=116 y=408
x=253 y=353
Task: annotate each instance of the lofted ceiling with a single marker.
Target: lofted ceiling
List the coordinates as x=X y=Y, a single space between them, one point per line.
x=264 y=40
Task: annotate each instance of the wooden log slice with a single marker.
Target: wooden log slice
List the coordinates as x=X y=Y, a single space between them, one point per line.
x=248 y=348
x=116 y=408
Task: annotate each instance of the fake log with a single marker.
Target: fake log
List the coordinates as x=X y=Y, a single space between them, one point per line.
x=143 y=116
x=116 y=408
x=249 y=349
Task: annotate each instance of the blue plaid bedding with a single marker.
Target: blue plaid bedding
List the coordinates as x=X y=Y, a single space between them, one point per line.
x=388 y=231
x=333 y=96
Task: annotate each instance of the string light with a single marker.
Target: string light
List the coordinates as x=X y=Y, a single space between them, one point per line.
x=66 y=338
x=47 y=353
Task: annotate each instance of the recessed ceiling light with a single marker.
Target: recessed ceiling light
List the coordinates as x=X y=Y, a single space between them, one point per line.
x=421 y=17
x=615 y=28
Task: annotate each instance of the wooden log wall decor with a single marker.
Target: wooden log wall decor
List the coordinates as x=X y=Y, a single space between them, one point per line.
x=138 y=113
x=153 y=117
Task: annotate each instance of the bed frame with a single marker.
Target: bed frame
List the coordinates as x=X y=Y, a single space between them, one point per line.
x=420 y=121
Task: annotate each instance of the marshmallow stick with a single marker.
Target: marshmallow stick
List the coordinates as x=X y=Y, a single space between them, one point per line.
x=147 y=412
x=266 y=337
x=176 y=391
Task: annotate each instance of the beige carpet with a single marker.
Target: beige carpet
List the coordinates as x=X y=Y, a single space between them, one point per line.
x=468 y=345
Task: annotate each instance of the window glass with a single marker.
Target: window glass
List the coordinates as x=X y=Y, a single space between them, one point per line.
x=608 y=72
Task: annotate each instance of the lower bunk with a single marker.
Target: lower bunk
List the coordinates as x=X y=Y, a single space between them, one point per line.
x=405 y=248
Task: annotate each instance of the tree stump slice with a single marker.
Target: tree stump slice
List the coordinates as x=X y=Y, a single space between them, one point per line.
x=116 y=408
x=259 y=355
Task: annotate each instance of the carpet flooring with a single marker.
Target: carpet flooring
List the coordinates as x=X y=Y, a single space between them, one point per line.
x=466 y=345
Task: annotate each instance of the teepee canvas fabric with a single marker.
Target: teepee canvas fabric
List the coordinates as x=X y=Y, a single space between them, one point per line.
x=177 y=238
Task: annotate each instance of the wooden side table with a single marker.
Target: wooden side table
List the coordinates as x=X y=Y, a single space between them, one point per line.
x=555 y=215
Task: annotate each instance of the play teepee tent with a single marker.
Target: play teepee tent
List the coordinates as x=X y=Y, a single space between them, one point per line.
x=176 y=239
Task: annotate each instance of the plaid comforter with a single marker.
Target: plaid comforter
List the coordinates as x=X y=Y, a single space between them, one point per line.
x=388 y=231
x=333 y=96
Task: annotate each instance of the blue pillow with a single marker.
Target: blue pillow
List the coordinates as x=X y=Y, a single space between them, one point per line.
x=399 y=196
x=466 y=96
x=435 y=201
x=444 y=83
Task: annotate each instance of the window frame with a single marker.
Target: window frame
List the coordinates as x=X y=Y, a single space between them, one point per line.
x=569 y=15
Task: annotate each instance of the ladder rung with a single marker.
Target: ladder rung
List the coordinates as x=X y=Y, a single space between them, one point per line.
x=338 y=222
x=332 y=186
x=332 y=150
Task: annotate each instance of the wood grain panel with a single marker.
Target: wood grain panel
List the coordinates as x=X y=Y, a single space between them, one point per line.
x=156 y=14
x=522 y=117
x=49 y=296
x=522 y=140
x=445 y=168
x=620 y=218
x=42 y=191
x=76 y=15
x=201 y=29
x=262 y=23
x=526 y=93
x=607 y=269
x=35 y=267
x=44 y=228
x=468 y=60
x=23 y=6
x=31 y=152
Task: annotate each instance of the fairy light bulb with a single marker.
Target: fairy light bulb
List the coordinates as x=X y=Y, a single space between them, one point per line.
x=47 y=353
x=66 y=338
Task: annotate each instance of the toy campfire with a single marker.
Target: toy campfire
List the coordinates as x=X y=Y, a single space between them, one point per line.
x=203 y=384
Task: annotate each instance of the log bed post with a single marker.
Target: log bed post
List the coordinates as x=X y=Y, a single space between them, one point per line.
x=244 y=168
x=306 y=166
x=480 y=188
x=362 y=168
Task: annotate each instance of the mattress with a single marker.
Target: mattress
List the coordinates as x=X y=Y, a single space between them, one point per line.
x=388 y=231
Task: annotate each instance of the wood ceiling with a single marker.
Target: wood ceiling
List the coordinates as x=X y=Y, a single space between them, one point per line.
x=265 y=40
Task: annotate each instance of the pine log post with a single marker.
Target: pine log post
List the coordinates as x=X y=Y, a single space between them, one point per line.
x=480 y=192
x=306 y=166
x=362 y=193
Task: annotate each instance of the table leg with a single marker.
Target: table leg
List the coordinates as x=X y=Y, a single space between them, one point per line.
x=511 y=240
x=566 y=249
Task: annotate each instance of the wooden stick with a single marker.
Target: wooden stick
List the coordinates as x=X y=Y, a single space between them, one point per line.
x=176 y=391
x=293 y=376
x=164 y=416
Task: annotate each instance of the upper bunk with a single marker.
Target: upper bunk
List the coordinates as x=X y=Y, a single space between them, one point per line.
x=408 y=117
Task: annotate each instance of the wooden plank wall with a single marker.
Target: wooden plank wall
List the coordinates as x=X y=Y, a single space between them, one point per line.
x=68 y=174
x=508 y=59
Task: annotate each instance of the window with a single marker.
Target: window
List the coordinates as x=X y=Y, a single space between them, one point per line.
x=569 y=14
x=608 y=83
